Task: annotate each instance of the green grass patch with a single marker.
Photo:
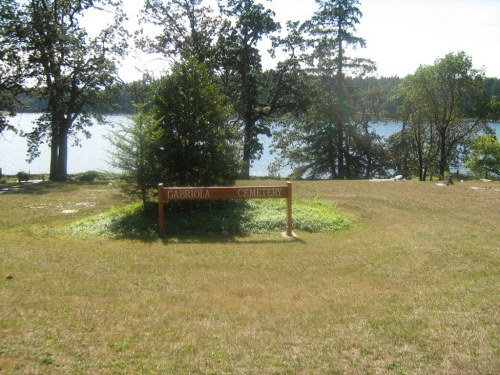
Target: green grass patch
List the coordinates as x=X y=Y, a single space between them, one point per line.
x=233 y=218
x=127 y=221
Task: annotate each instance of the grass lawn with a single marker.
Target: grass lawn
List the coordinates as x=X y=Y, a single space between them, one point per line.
x=413 y=287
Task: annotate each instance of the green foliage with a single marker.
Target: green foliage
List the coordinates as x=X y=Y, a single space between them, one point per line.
x=330 y=139
x=10 y=78
x=88 y=176
x=442 y=106
x=484 y=158
x=92 y=176
x=125 y=221
x=189 y=29
x=233 y=218
x=134 y=153
x=23 y=176
x=180 y=136
x=198 y=145
x=332 y=29
x=247 y=23
x=70 y=69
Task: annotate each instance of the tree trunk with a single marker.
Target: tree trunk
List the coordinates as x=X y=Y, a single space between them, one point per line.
x=331 y=158
x=442 y=155
x=404 y=146
x=59 y=149
x=340 y=153
x=245 y=173
x=368 y=151
x=422 y=170
x=368 y=166
x=62 y=160
x=54 y=152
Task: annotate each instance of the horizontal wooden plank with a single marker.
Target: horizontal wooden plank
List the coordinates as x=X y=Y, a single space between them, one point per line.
x=222 y=193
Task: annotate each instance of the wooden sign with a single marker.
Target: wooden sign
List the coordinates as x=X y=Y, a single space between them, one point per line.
x=224 y=193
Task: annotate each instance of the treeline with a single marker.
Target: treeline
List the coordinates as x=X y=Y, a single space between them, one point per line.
x=123 y=103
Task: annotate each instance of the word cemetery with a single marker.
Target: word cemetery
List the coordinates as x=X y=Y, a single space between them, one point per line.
x=224 y=193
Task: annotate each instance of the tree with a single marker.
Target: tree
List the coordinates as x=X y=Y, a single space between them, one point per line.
x=370 y=98
x=10 y=78
x=135 y=153
x=484 y=158
x=67 y=66
x=189 y=30
x=197 y=146
x=332 y=30
x=448 y=101
x=415 y=145
x=246 y=24
x=320 y=143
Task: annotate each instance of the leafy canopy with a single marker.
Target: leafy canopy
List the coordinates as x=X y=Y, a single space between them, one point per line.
x=484 y=157
x=63 y=64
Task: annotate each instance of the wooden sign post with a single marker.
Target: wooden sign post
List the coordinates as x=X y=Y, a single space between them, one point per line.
x=224 y=193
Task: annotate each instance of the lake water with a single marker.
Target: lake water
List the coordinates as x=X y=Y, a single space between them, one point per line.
x=94 y=152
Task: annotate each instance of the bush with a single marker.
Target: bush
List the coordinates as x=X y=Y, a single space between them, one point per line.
x=88 y=176
x=23 y=176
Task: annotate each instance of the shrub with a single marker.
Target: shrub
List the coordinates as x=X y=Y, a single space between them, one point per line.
x=88 y=176
x=23 y=176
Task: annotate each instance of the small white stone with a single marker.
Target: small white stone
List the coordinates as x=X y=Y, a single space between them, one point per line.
x=68 y=212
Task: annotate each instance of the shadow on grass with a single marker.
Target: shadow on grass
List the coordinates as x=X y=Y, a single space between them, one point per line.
x=196 y=222
x=39 y=188
x=226 y=238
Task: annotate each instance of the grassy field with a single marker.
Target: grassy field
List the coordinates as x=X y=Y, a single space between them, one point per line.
x=412 y=288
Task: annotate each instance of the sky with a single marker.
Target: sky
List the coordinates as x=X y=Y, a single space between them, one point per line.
x=401 y=35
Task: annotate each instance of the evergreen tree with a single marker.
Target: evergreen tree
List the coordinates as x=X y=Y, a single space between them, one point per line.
x=246 y=23
x=135 y=154
x=197 y=145
x=321 y=142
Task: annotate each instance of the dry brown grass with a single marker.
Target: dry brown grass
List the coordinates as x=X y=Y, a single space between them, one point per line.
x=413 y=288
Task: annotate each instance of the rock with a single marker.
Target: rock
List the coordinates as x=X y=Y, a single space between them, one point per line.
x=68 y=212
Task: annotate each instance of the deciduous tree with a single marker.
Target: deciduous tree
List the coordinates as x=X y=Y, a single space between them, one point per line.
x=445 y=104
x=484 y=158
x=68 y=66
x=10 y=78
x=188 y=29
